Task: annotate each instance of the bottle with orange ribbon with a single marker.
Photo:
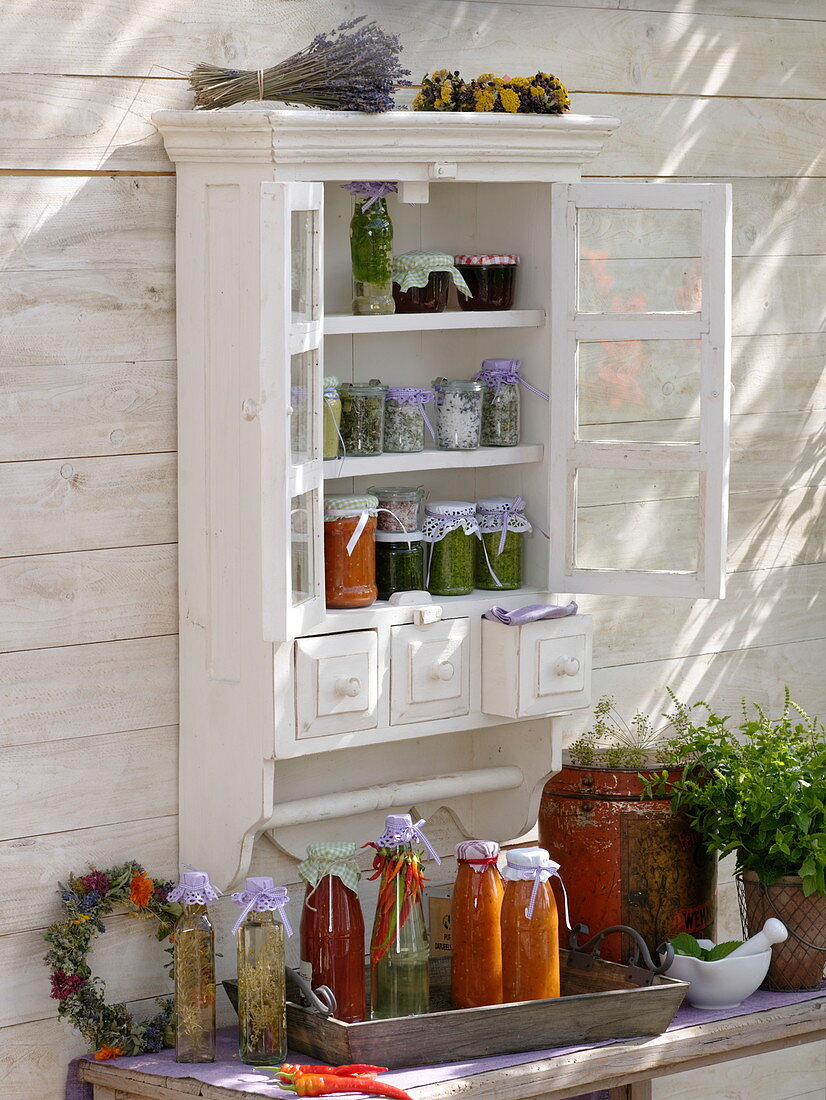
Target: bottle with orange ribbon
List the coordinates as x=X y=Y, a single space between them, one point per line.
x=399 y=954
x=476 y=961
x=530 y=926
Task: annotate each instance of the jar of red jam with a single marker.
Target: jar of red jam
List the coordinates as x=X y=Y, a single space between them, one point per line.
x=421 y=281
x=349 y=550
x=490 y=279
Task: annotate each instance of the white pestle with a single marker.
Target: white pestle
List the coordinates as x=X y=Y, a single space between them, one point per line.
x=773 y=931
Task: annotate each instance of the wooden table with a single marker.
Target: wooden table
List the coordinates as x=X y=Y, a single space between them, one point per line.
x=627 y=1068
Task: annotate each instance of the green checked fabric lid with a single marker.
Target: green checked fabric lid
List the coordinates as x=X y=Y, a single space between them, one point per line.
x=337 y=859
x=414 y=268
x=337 y=506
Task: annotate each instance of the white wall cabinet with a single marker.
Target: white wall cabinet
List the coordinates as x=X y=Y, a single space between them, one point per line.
x=621 y=312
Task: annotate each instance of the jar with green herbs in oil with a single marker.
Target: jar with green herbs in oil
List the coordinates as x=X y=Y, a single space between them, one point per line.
x=194 y=969
x=399 y=562
x=451 y=530
x=371 y=248
x=502 y=529
x=362 y=418
x=262 y=1002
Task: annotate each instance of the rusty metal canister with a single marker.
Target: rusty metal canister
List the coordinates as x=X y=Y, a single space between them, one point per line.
x=625 y=859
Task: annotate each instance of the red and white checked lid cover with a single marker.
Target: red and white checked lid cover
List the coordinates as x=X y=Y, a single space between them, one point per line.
x=486 y=261
x=472 y=850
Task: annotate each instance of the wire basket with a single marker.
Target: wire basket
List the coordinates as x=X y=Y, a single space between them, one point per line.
x=798 y=963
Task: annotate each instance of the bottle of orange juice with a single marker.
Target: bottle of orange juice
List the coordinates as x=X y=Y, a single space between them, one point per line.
x=530 y=927
x=476 y=963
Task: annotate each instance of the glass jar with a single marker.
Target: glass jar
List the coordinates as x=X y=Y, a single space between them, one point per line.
x=451 y=529
x=475 y=912
x=332 y=927
x=530 y=928
x=194 y=969
x=332 y=416
x=371 y=250
x=362 y=418
x=490 y=278
x=430 y=298
x=459 y=413
x=262 y=1002
x=349 y=550
x=399 y=507
x=399 y=562
x=405 y=419
x=502 y=528
x=500 y=402
x=399 y=954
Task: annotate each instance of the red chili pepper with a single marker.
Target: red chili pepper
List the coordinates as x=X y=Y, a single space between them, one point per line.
x=313 y=1084
x=357 y=1069
x=290 y=1070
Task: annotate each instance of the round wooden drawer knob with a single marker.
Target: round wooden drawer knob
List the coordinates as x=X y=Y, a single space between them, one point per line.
x=567 y=666
x=349 y=686
x=443 y=670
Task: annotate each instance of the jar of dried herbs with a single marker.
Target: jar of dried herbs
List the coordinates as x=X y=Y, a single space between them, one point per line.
x=501 y=401
x=451 y=529
x=262 y=1003
x=362 y=418
x=405 y=419
x=399 y=562
x=332 y=416
x=459 y=413
x=502 y=528
x=399 y=506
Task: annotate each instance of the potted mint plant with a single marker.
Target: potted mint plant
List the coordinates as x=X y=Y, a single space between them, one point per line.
x=760 y=792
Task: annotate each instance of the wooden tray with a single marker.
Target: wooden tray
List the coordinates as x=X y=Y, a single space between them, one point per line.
x=601 y=1000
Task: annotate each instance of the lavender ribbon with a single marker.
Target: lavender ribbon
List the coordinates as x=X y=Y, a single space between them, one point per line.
x=374 y=190
x=498 y=371
x=536 y=873
x=512 y=509
x=263 y=901
x=410 y=395
x=391 y=838
x=529 y=614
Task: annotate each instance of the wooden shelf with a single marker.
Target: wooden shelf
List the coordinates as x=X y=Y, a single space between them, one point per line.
x=337 y=324
x=433 y=460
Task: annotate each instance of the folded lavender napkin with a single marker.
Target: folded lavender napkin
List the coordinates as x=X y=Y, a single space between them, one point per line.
x=529 y=614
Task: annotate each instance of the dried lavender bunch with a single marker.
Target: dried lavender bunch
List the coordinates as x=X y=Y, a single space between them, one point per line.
x=344 y=70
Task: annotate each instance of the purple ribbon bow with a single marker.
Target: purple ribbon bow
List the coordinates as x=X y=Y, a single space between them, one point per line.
x=374 y=190
x=410 y=395
x=512 y=509
x=263 y=901
x=497 y=371
x=552 y=870
x=406 y=835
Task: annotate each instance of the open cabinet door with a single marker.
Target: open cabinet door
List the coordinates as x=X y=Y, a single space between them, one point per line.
x=291 y=387
x=640 y=383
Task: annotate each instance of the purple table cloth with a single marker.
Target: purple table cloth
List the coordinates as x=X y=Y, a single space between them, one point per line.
x=232 y=1073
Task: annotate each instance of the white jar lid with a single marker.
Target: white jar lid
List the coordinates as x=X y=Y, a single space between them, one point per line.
x=402 y=537
x=527 y=857
x=498 y=504
x=450 y=508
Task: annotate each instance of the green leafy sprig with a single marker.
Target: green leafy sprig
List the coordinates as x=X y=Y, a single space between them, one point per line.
x=686 y=944
x=611 y=742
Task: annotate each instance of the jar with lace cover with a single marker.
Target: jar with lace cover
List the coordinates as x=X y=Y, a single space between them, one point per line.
x=194 y=969
x=451 y=530
x=502 y=529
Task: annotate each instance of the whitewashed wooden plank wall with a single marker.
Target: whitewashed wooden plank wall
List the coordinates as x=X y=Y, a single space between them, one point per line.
x=723 y=90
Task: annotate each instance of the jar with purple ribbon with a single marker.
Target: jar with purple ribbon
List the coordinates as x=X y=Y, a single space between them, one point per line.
x=501 y=401
x=371 y=247
x=459 y=413
x=194 y=967
x=451 y=529
x=405 y=419
x=262 y=1003
x=502 y=528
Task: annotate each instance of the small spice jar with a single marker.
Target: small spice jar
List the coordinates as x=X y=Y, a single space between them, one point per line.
x=349 y=550
x=362 y=418
x=502 y=527
x=500 y=402
x=399 y=562
x=490 y=278
x=399 y=507
x=405 y=419
x=451 y=529
x=459 y=413
x=421 y=281
x=332 y=416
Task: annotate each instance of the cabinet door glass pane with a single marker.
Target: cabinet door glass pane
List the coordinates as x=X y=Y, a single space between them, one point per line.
x=637 y=520
x=302 y=520
x=303 y=275
x=303 y=447
x=633 y=261
x=645 y=391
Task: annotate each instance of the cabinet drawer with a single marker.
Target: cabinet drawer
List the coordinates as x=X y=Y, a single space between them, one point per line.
x=430 y=671
x=336 y=683
x=538 y=669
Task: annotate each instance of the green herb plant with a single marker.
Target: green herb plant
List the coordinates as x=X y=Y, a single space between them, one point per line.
x=758 y=790
x=686 y=944
x=611 y=742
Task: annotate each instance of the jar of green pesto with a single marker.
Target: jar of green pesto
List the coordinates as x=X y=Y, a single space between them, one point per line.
x=502 y=528
x=451 y=529
x=399 y=562
x=362 y=418
x=332 y=416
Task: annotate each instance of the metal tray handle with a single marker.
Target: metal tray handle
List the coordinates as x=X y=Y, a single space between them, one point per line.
x=585 y=955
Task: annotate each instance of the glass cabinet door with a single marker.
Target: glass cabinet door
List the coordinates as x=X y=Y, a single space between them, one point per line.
x=290 y=414
x=640 y=388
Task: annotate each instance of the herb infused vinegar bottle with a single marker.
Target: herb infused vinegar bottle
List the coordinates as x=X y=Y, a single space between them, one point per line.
x=262 y=1004
x=194 y=966
x=371 y=248
x=399 y=954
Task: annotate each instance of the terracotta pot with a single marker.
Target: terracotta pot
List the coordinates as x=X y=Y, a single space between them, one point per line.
x=625 y=860
x=799 y=962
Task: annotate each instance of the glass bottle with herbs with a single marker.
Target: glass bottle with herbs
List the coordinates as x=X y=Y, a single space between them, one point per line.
x=458 y=413
x=399 y=970
x=502 y=529
x=362 y=418
x=262 y=1002
x=332 y=926
x=371 y=248
x=194 y=969
x=451 y=529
